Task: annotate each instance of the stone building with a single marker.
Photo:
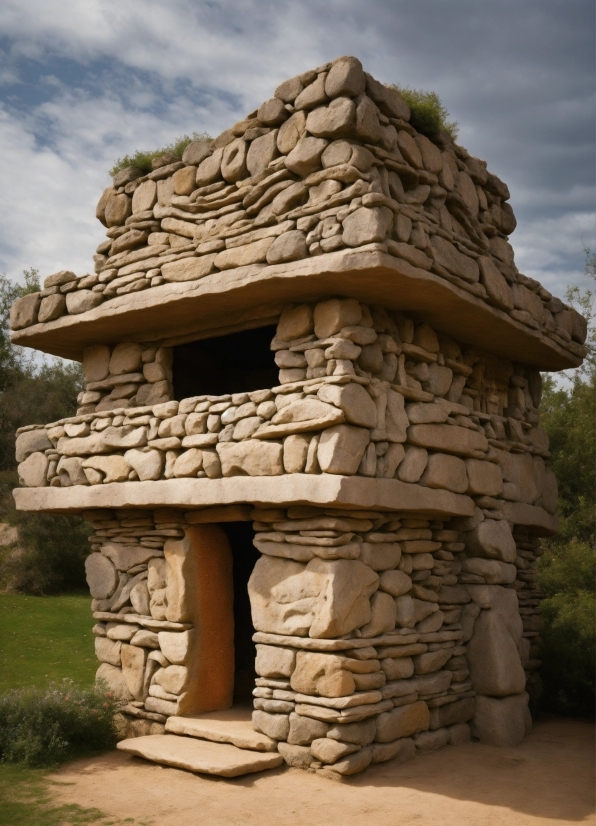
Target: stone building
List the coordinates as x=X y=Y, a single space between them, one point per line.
x=309 y=445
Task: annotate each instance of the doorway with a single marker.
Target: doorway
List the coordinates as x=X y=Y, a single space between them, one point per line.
x=244 y=557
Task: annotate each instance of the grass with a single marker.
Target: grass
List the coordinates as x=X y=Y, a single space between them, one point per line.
x=428 y=115
x=26 y=800
x=141 y=159
x=45 y=639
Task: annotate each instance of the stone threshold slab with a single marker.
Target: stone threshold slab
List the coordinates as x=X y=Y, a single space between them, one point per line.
x=232 y=726
x=350 y=492
x=254 y=296
x=201 y=756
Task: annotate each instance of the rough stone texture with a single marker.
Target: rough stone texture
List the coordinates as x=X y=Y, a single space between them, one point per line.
x=501 y=721
x=492 y=539
x=402 y=722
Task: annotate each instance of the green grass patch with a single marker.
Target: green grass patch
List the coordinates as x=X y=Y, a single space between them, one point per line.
x=428 y=114
x=142 y=158
x=26 y=800
x=45 y=639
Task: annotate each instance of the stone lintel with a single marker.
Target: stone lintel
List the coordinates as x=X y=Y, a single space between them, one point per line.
x=530 y=516
x=291 y=489
x=255 y=295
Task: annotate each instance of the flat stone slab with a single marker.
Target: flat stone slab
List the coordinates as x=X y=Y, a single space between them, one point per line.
x=201 y=756
x=232 y=726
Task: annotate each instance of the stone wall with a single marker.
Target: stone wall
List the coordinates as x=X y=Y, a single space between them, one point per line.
x=329 y=163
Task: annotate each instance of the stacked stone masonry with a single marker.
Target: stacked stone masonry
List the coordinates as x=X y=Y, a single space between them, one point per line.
x=329 y=163
x=398 y=478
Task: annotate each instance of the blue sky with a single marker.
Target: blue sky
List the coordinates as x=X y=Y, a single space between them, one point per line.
x=85 y=82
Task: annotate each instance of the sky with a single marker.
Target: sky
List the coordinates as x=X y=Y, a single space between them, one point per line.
x=84 y=82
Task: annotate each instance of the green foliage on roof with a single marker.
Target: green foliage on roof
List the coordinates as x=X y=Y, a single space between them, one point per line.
x=428 y=116
x=142 y=158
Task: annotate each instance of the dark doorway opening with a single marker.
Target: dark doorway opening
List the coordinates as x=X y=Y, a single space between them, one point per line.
x=244 y=556
x=236 y=363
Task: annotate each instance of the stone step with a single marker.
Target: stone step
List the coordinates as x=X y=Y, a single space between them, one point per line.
x=201 y=756
x=231 y=726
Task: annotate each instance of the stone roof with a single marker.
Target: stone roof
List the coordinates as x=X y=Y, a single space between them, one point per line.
x=325 y=190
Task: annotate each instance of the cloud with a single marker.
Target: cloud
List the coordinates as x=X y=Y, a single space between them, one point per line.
x=85 y=83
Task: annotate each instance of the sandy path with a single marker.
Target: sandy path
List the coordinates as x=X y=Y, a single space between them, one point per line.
x=549 y=779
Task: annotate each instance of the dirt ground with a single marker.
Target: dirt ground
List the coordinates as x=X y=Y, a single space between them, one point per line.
x=548 y=779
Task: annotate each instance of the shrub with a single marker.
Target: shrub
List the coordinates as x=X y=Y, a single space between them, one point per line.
x=428 y=115
x=44 y=727
x=142 y=159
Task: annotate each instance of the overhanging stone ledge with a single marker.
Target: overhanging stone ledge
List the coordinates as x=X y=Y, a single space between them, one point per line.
x=293 y=489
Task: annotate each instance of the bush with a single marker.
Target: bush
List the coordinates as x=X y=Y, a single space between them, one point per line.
x=45 y=727
x=142 y=159
x=428 y=115
x=569 y=614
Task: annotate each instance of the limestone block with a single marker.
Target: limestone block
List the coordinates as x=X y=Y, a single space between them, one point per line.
x=412 y=465
x=327 y=598
x=33 y=471
x=176 y=645
x=188 y=269
x=233 y=162
x=330 y=751
x=127 y=556
x=499 y=292
x=447 y=472
x=400 y=750
x=276 y=726
x=341 y=449
x=145 y=197
x=447 y=438
x=380 y=556
x=501 y=722
x=459 y=712
x=405 y=616
x=72 y=468
x=303 y=730
x=295 y=322
x=299 y=757
x=403 y=721
x=251 y=458
x=492 y=570
x=146 y=639
x=445 y=254
x=409 y=149
x=156 y=574
x=101 y=575
x=197 y=151
x=424 y=413
x=295 y=452
x=397 y=668
x=126 y=358
x=383 y=615
x=493 y=656
x=80 y=301
x=188 y=463
x=484 y=478
x=113 y=679
x=261 y=152
x=332 y=121
x=118 y=208
x=274 y=662
x=113 y=468
x=353 y=400
x=395 y=583
x=122 y=438
x=321 y=675
x=431 y=661
x=291 y=246
x=368 y=127
x=423 y=608
x=306 y=410
x=172 y=679
x=290 y=132
x=366 y=225
x=361 y=734
x=428 y=684
x=431 y=624
x=164 y=707
x=491 y=539
x=148 y=464
x=30 y=442
x=355 y=763
x=431 y=740
x=519 y=468
x=108 y=651
x=139 y=599
x=23 y=312
x=345 y=77
x=96 y=361
x=183 y=180
x=331 y=316
x=305 y=157
x=51 y=307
